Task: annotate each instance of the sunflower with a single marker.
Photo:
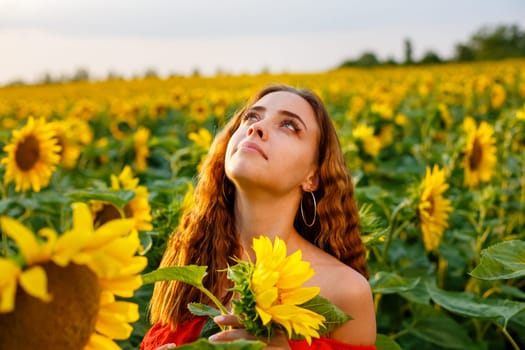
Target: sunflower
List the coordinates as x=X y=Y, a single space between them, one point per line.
x=62 y=296
x=199 y=111
x=370 y=143
x=124 y=116
x=140 y=144
x=201 y=138
x=480 y=152
x=275 y=290
x=31 y=156
x=67 y=139
x=498 y=96
x=433 y=207
x=137 y=209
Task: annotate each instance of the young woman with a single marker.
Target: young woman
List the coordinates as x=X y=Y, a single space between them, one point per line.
x=275 y=169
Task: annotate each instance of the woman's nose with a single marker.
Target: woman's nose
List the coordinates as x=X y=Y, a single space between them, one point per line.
x=257 y=129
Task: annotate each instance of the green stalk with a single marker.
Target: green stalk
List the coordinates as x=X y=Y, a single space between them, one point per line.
x=215 y=300
x=392 y=228
x=509 y=337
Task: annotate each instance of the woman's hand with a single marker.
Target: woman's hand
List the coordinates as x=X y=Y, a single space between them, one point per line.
x=236 y=331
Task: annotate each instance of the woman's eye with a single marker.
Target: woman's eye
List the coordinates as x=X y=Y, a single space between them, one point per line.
x=250 y=117
x=291 y=124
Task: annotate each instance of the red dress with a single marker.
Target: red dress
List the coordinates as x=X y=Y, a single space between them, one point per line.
x=159 y=335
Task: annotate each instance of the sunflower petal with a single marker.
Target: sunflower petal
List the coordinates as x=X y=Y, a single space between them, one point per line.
x=34 y=282
x=123 y=287
x=109 y=231
x=100 y=342
x=24 y=238
x=8 y=284
x=82 y=218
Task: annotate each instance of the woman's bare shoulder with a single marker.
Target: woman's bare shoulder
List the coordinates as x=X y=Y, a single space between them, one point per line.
x=351 y=292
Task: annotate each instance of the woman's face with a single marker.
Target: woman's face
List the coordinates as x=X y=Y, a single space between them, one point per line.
x=275 y=147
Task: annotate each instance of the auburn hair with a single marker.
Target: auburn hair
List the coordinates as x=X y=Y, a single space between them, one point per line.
x=206 y=232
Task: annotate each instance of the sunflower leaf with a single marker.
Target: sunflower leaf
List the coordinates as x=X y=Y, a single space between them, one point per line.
x=501 y=261
x=199 y=309
x=204 y=344
x=390 y=283
x=384 y=342
x=119 y=198
x=470 y=305
x=191 y=274
x=334 y=317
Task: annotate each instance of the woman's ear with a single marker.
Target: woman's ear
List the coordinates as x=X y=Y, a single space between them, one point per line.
x=311 y=183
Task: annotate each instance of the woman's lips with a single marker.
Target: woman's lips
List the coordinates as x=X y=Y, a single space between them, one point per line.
x=254 y=147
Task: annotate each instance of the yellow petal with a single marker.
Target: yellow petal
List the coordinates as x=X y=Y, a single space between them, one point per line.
x=82 y=218
x=100 y=342
x=124 y=287
x=24 y=238
x=135 y=265
x=121 y=248
x=104 y=265
x=51 y=238
x=123 y=310
x=34 y=282
x=113 y=324
x=109 y=231
x=7 y=297
x=266 y=298
x=69 y=245
x=265 y=317
x=8 y=284
x=115 y=184
x=298 y=296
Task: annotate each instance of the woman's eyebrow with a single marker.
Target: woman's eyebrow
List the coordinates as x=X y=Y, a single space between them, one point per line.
x=281 y=111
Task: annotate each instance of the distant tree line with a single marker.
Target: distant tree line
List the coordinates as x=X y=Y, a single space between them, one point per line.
x=488 y=43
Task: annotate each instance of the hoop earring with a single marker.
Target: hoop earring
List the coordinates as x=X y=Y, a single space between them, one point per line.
x=315 y=211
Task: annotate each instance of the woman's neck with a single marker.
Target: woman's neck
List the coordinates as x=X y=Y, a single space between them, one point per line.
x=264 y=214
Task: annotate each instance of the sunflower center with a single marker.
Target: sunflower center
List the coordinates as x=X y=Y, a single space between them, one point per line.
x=60 y=142
x=477 y=153
x=107 y=213
x=128 y=211
x=27 y=153
x=66 y=322
x=430 y=210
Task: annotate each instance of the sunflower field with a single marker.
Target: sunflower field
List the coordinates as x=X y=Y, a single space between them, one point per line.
x=95 y=175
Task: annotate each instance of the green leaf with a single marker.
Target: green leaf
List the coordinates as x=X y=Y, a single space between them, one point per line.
x=437 y=327
x=204 y=344
x=512 y=291
x=501 y=261
x=384 y=342
x=118 y=198
x=389 y=283
x=191 y=274
x=199 y=309
x=145 y=242
x=210 y=328
x=471 y=305
x=418 y=294
x=334 y=317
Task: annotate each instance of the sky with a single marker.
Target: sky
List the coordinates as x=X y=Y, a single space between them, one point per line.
x=128 y=37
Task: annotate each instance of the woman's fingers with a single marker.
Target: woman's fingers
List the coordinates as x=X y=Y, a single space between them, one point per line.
x=227 y=320
x=232 y=334
x=167 y=346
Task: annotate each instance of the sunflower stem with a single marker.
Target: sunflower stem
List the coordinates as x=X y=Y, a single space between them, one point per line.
x=216 y=301
x=510 y=339
x=392 y=228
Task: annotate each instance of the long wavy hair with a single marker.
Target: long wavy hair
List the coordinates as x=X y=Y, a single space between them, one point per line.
x=206 y=233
